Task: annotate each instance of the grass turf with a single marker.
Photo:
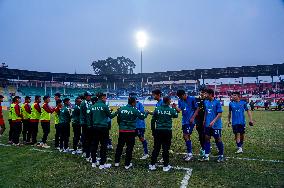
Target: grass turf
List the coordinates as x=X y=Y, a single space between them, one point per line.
x=24 y=167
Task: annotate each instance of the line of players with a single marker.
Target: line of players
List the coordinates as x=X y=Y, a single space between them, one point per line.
x=91 y=122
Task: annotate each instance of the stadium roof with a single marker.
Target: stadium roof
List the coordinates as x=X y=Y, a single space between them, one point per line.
x=214 y=73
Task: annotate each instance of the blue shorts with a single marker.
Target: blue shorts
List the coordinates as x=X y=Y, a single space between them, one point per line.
x=140 y=132
x=216 y=133
x=239 y=128
x=187 y=128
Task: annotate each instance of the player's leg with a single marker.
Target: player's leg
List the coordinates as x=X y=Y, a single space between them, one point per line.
x=83 y=139
x=76 y=137
x=217 y=134
x=10 y=131
x=156 y=150
x=104 y=133
x=109 y=142
x=187 y=131
x=25 y=130
x=141 y=135
x=94 y=146
x=201 y=137
x=2 y=129
x=61 y=135
x=207 y=145
x=16 y=133
x=88 y=138
x=66 y=138
x=166 y=144
x=130 y=142
x=119 y=148
x=57 y=137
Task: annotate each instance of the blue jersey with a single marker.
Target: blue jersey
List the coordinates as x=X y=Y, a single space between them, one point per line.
x=159 y=103
x=238 y=112
x=212 y=108
x=188 y=108
x=140 y=123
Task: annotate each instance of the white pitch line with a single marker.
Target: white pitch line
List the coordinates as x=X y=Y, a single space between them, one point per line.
x=244 y=159
x=188 y=172
x=184 y=183
x=4 y=145
x=40 y=150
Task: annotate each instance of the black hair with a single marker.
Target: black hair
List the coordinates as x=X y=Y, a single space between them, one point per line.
x=236 y=93
x=66 y=100
x=57 y=95
x=166 y=99
x=131 y=100
x=132 y=94
x=100 y=95
x=37 y=97
x=180 y=92
x=15 y=98
x=27 y=97
x=94 y=99
x=1 y=96
x=46 y=97
x=210 y=91
x=59 y=101
x=157 y=92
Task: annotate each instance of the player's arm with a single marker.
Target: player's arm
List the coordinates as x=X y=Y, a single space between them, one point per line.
x=249 y=115
x=174 y=113
x=229 y=118
x=177 y=107
x=37 y=107
x=229 y=115
x=141 y=115
x=108 y=112
x=18 y=111
x=28 y=108
x=219 y=115
x=194 y=115
x=153 y=121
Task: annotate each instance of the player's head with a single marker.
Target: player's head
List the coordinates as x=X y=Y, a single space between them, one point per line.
x=94 y=99
x=37 y=99
x=78 y=100
x=1 y=98
x=133 y=95
x=46 y=98
x=57 y=96
x=167 y=100
x=88 y=95
x=16 y=100
x=209 y=93
x=181 y=94
x=27 y=99
x=102 y=96
x=66 y=101
x=59 y=103
x=236 y=96
x=156 y=94
x=132 y=101
x=202 y=92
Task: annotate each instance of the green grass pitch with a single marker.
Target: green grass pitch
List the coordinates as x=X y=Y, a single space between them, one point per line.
x=23 y=167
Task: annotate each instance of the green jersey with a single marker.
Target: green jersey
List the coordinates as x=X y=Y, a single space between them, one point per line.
x=100 y=113
x=127 y=117
x=76 y=114
x=83 y=111
x=65 y=115
x=162 y=117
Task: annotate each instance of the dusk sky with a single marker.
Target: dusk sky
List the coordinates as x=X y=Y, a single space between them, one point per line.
x=67 y=35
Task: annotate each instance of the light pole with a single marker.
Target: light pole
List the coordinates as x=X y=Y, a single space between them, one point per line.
x=141 y=43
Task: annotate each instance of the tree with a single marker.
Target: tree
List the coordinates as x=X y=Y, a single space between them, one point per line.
x=120 y=65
